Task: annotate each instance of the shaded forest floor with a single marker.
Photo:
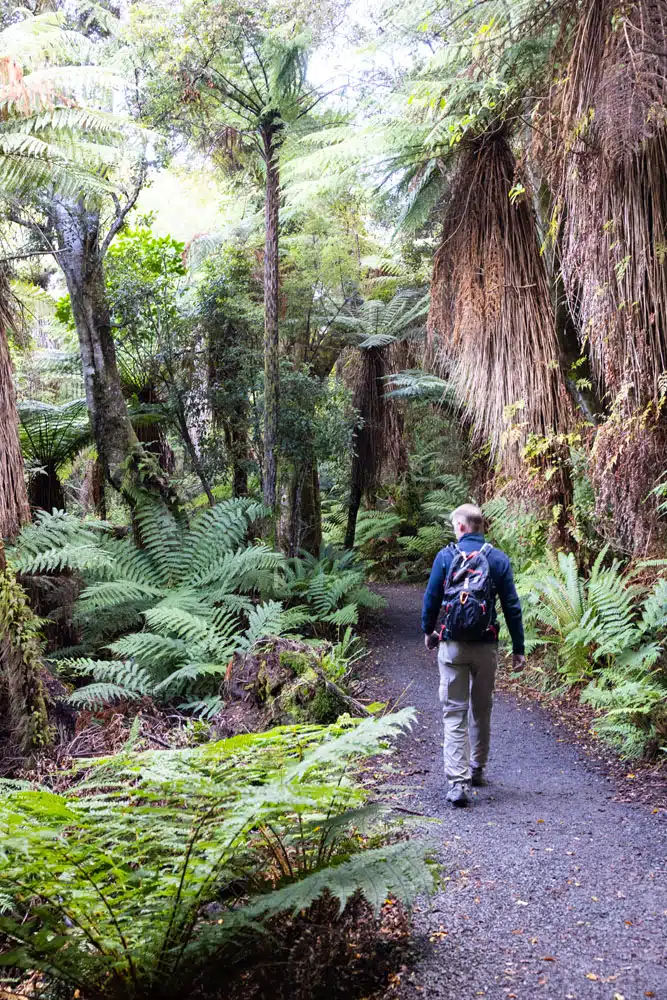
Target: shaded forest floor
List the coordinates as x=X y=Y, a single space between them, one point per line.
x=553 y=887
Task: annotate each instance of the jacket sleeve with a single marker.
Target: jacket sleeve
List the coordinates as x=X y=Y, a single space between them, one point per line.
x=511 y=605
x=434 y=593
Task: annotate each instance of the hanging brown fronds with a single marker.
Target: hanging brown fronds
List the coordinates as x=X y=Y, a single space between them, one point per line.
x=608 y=172
x=491 y=323
x=627 y=456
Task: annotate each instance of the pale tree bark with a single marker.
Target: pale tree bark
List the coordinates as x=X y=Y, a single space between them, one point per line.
x=81 y=259
x=271 y=338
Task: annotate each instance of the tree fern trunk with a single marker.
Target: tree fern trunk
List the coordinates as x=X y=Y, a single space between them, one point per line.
x=14 y=508
x=353 y=512
x=45 y=489
x=369 y=440
x=271 y=341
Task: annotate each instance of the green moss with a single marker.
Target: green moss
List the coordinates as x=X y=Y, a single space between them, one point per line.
x=20 y=659
x=325 y=707
x=298 y=663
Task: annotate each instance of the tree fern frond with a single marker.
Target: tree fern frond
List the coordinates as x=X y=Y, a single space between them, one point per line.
x=397 y=870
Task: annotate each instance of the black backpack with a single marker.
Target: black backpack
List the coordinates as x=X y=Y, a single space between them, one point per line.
x=468 y=598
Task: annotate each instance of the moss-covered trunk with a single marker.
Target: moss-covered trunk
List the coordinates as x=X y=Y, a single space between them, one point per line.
x=301 y=528
x=20 y=663
x=14 y=508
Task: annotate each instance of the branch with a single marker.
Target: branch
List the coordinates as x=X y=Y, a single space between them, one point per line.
x=249 y=75
x=42 y=231
x=123 y=212
x=260 y=62
x=33 y=253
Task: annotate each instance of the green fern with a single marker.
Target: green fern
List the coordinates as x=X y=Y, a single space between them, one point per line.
x=334 y=587
x=602 y=631
x=110 y=889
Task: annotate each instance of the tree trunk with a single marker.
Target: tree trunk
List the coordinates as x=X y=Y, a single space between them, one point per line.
x=193 y=453
x=353 y=513
x=236 y=437
x=271 y=342
x=14 y=507
x=302 y=527
x=227 y=388
x=369 y=440
x=45 y=490
x=80 y=257
x=153 y=436
x=92 y=497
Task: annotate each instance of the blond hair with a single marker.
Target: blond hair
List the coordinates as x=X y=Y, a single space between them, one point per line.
x=471 y=516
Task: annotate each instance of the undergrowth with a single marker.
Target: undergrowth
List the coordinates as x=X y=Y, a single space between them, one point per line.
x=164 y=617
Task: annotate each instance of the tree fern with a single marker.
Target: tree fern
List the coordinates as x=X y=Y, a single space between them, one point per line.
x=217 y=824
x=188 y=598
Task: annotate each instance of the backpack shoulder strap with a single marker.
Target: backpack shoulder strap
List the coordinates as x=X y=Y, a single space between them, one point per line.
x=486 y=547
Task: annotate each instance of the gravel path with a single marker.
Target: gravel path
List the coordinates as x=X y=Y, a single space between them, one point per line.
x=554 y=890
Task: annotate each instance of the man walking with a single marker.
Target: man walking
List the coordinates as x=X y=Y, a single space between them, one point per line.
x=466 y=578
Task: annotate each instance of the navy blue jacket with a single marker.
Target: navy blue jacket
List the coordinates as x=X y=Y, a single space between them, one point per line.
x=503 y=584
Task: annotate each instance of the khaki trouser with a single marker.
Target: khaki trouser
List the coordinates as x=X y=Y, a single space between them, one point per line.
x=467 y=678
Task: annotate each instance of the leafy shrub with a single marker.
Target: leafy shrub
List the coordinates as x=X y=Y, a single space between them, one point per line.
x=158 y=868
x=435 y=530
x=518 y=530
x=401 y=538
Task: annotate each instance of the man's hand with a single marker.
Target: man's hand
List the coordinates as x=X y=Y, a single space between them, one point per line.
x=518 y=662
x=431 y=640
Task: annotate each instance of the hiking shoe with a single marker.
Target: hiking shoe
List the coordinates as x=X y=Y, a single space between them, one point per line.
x=459 y=793
x=477 y=779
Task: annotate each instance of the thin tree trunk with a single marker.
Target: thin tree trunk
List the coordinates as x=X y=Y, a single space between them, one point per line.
x=271 y=341
x=194 y=456
x=237 y=442
x=14 y=507
x=81 y=261
x=228 y=397
x=353 y=513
